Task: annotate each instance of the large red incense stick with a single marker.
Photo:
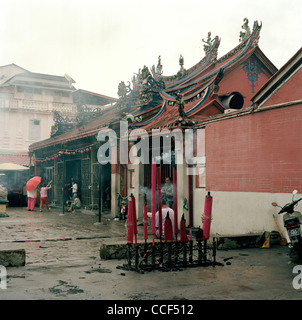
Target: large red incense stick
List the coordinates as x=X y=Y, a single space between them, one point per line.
x=160 y=218
x=153 y=196
x=183 y=233
x=145 y=221
x=130 y=223
x=134 y=218
x=190 y=186
x=207 y=216
x=168 y=229
x=175 y=202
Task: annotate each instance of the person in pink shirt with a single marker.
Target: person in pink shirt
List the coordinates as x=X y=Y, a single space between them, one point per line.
x=44 y=197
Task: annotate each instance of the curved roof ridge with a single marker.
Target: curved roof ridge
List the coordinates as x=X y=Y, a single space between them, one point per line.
x=208 y=58
x=162 y=109
x=250 y=41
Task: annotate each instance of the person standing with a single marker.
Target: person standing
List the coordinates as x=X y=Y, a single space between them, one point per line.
x=74 y=187
x=44 y=197
x=167 y=192
x=165 y=210
x=31 y=199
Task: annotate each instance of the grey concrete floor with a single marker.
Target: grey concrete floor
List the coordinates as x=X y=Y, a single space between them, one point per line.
x=63 y=262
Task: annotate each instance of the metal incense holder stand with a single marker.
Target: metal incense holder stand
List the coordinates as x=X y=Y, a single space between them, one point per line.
x=171 y=256
x=168 y=253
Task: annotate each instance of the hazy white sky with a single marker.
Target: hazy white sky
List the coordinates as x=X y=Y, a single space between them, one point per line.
x=102 y=42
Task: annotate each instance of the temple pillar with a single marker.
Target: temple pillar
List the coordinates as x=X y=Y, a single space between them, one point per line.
x=135 y=186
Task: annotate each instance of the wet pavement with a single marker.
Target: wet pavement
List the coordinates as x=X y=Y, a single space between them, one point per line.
x=63 y=262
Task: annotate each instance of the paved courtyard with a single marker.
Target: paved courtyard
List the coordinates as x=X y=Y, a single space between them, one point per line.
x=63 y=262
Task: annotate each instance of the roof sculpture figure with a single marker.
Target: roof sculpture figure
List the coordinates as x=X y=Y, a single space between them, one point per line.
x=208 y=43
x=159 y=68
x=246 y=30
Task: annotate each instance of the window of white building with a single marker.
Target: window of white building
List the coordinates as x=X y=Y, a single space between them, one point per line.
x=34 y=130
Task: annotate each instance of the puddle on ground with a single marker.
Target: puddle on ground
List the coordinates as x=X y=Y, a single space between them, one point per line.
x=64 y=287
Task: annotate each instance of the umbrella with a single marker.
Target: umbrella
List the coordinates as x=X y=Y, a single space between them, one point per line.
x=12 y=167
x=32 y=183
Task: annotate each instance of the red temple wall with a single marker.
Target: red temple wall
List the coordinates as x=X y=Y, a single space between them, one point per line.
x=238 y=81
x=289 y=91
x=260 y=152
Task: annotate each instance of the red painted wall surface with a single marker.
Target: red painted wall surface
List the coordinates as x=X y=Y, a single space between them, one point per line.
x=237 y=81
x=259 y=152
x=290 y=91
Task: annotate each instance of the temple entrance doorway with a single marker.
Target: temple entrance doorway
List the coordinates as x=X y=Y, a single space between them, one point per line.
x=73 y=173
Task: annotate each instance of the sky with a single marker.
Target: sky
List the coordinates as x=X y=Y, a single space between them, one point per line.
x=100 y=43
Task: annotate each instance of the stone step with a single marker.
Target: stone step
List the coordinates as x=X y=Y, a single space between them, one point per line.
x=12 y=258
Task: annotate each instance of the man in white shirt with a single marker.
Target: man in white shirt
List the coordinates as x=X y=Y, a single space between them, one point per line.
x=165 y=210
x=74 y=187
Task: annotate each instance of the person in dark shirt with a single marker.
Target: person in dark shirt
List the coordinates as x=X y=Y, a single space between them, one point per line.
x=167 y=192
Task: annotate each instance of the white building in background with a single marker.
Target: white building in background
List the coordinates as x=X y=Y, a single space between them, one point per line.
x=27 y=104
x=35 y=107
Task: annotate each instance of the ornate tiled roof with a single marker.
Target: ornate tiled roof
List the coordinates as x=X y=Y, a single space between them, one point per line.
x=157 y=94
x=181 y=100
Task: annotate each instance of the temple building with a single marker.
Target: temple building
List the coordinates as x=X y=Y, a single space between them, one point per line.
x=219 y=100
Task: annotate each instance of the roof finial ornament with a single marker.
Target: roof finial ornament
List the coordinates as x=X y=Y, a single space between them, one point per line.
x=123 y=91
x=159 y=67
x=208 y=43
x=246 y=33
x=182 y=72
x=181 y=61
